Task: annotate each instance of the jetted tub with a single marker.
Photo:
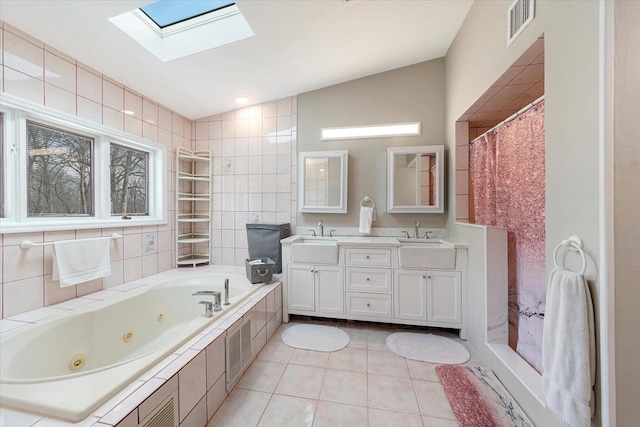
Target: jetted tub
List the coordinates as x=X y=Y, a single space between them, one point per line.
x=67 y=367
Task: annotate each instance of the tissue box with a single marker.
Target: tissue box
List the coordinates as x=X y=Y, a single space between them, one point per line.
x=259 y=270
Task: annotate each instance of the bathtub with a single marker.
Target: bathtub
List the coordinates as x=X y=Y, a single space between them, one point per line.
x=68 y=366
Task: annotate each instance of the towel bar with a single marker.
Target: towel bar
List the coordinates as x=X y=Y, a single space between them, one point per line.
x=28 y=244
x=574 y=244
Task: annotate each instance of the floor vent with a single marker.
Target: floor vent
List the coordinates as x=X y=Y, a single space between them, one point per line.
x=520 y=14
x=165 y=415
x=238 y=353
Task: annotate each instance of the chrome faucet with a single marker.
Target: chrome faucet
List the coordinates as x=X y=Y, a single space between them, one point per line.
x=417 y=225
x=321 y=225
x=208 y=308
x=331 y=233
x=217 y=297
x=426 y=234
x=226 y=292
x=406 y=234
x=313 y=233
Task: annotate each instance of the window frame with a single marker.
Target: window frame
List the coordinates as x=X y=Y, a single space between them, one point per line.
x=16 y=220
x=146 y=183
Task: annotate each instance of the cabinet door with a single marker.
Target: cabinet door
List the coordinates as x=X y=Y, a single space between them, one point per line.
x=410 y=294
x=329 y=289
x=444 y=296
x=301 y=287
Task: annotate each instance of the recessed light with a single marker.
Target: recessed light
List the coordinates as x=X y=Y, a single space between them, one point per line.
x=128 y=112
x=242 y=100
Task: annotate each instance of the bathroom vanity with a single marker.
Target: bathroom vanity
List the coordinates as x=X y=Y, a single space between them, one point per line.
x=378 y=279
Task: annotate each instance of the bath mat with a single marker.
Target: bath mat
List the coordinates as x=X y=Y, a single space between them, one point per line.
x=427 y=348
x=478 y=399
x=315 y=337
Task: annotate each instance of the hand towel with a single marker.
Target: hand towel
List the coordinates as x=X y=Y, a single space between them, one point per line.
x=569 y=351
x=77 y=261
x=366 y=218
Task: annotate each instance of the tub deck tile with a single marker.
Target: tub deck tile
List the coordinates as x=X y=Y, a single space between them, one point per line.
x=177 y=364
x=50 y=422
x=157 y=368
x=102 y=295
x=38 y=315
x=7 y=325
x=208 y=339
x=73 y=304
x=115 y=400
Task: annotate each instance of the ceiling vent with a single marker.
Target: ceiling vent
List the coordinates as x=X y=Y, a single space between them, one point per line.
x=520 y=14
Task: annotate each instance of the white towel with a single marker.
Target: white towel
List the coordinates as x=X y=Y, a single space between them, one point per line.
x=77 y=261
x=366 y=218
x=569 y=350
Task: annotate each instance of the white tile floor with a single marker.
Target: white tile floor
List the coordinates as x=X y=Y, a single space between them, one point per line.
x=364 y=384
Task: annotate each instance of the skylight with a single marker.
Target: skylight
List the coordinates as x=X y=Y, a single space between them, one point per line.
x=169 y=12
x=172 y=29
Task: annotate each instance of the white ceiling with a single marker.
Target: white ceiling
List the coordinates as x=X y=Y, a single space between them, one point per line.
x=299 y=46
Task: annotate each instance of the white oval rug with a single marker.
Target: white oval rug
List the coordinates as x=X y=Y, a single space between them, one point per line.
x=315 y=337
x=427 y=348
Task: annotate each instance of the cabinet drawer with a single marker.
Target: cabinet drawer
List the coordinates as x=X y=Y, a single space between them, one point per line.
x=370 y=305
x=376 y=280
x=368 y=257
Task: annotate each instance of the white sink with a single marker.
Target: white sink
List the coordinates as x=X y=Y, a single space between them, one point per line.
x=316 y=251
x=426 y=254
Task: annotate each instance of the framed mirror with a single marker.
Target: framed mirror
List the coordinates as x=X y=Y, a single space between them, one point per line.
x=415 y=179
x=322 y=181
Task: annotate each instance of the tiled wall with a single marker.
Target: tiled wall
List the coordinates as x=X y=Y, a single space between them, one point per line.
x=39 y=73
x=254 y=172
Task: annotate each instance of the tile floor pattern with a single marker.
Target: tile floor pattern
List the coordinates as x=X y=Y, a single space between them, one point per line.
x=364 y=384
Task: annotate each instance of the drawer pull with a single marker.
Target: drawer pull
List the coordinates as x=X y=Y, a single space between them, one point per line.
x=311 y=271
x=368 y=279
x=428 y=277
x=424 y=277
x=368 y=305
x=368 y=257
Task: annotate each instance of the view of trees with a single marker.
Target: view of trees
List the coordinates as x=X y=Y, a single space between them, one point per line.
x=128 y=181
x=59 y=173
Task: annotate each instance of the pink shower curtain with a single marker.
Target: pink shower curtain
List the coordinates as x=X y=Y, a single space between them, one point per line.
x=507 y=169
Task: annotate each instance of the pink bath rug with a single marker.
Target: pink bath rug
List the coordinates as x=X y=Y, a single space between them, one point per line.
x=478 y=399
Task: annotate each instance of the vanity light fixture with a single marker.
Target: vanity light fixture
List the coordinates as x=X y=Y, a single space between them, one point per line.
x=242 y=100
x=371 y=131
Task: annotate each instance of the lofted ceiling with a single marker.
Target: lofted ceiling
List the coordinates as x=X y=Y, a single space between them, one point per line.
x=298 y=46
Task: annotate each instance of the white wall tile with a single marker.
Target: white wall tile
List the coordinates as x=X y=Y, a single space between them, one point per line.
x=89 y=85
x=23 y=86
x=23 y=56
x=22 y=295
x=192 y=384
x=59 y=72
x=113 y=96
x=60 y=99
x=89 y=110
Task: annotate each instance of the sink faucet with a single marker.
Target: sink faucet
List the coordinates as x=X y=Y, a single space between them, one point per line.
x=216 y=304
x=313 y=233
x=321 y=225
x=426 y=234
x=406 y=234
x=417 y=225
x=331 y=233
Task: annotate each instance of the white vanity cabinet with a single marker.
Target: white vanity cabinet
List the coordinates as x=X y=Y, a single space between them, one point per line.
x=429 y=295
x=318 y=289
x=369 y=281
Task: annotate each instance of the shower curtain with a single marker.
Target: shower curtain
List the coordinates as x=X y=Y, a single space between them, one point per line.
x=508 y=180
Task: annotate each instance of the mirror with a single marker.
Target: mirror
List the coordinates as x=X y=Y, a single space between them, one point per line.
x=415 y=179
x=322 y=177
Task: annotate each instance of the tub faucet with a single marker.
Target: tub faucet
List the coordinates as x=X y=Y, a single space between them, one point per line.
x=226 y=292
x=417 y=226
x=208 y=308
x=217 y=297
x=321 y=225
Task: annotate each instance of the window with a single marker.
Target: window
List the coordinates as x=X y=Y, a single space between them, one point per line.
x=60 y=172
x=168 y=12
x=128 y=181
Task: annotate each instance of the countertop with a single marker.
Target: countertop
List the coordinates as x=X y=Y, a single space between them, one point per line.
x=364 y=240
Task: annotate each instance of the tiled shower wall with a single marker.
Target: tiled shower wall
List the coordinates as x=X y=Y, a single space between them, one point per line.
x=254 y=172
x=39 y=73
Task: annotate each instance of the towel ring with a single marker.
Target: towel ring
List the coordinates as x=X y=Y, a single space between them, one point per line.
x=574 y=244
x=366 y=200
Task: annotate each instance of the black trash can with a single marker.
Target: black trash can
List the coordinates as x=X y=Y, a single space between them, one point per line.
x=264 y=241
